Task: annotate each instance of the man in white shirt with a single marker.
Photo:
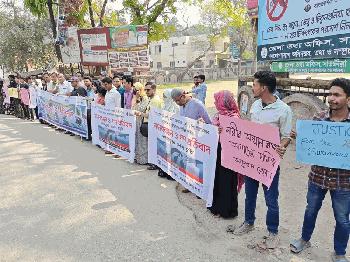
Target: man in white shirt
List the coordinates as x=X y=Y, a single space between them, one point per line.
x=112 y=98
x=64 y=87
x=268 y=109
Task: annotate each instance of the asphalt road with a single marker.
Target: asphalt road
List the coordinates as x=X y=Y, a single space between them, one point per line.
x=62 y=199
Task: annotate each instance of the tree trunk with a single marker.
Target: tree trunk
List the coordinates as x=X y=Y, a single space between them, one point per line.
x=91 y=14
x=190 y=65
x=53 y=28
x=103 y=11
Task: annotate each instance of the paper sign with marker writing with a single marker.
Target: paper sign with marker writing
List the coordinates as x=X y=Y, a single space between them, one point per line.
x=324 y=143
x=250 y=148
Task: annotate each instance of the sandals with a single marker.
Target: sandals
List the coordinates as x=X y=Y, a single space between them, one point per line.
x=299 y=245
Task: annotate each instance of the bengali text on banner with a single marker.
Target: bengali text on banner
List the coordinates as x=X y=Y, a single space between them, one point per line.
x=114 y=130
x=68 y=113
x=185 y=149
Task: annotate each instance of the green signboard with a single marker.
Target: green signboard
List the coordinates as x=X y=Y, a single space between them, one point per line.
x=313 y=66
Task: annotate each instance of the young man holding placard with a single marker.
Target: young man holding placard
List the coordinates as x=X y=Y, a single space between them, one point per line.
x=323 y=179
x=268 y=109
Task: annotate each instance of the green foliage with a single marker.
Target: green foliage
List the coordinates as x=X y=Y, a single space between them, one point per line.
x=37 y=7
x=229 y=17
x=22 y=41
x=155 y=14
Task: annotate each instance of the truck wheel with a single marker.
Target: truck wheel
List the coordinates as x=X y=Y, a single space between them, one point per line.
x=304 y=106
x=245 y=99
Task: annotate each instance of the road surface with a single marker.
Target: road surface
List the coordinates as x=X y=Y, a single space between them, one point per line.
x=62 y=199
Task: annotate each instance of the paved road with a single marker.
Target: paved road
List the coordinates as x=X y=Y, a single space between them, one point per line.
x=62 y=199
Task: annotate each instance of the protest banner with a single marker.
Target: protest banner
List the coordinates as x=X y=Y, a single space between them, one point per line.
x=67 y=113
x=128 y=36
x=94 y=44
x=323 y=143
x=69 y=45
x=185 y=149
x=250 y=148
x=299 y=29
x=114 y=130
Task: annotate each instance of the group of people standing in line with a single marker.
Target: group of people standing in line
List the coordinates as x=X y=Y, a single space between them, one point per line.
x=120 y=91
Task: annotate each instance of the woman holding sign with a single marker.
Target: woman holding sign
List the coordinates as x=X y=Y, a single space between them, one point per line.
x=227 y=182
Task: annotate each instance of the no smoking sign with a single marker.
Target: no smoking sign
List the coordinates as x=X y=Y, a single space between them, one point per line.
x=275 y=9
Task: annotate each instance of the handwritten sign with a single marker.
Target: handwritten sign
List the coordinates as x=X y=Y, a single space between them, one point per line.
x=185 y=149
x=250 y=148
x=324 y=143
x=303 y=30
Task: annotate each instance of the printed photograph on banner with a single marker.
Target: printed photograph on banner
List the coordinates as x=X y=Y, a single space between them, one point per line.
x=70 y=45
x=185 y=149
x=323 y=143
x=68 y=113
x=250 y=148
x=128 y=36
x=303 y=30
x=114 y=130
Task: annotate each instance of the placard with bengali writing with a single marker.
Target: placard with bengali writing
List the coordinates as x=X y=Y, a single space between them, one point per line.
x=323 y=143
x=250 y=148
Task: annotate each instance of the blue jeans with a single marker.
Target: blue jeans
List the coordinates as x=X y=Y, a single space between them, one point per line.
x=271 y=200
x=341 y=208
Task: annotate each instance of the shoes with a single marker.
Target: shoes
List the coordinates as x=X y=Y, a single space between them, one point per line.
x=270 y=241
x=243 y=229
x=338 y=258
x=152 y=167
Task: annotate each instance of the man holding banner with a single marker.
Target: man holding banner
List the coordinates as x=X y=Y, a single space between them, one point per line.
x=268 y=109
x=328 y=178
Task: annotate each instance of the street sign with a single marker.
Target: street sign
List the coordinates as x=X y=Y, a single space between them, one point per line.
x=313 y=66
x=303 y=30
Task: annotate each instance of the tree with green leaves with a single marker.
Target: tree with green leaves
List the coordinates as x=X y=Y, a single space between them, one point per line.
x=24 y=40
x=155 y=14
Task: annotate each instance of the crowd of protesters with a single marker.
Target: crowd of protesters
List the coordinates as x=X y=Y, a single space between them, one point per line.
x=120 y=91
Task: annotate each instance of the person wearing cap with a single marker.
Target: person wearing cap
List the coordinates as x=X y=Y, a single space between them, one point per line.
x=190 y=107
x=78 y=90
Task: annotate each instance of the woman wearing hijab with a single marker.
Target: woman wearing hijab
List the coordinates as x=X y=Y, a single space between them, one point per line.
x=227 y=182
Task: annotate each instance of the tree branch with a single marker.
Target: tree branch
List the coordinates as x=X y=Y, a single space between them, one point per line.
x=91 y=14
x=103 y=11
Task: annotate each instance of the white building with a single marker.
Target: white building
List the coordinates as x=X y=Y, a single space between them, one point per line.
x=178 y=52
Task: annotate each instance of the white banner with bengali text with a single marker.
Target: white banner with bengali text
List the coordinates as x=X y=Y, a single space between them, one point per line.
x=185 y=149
x=114 y=130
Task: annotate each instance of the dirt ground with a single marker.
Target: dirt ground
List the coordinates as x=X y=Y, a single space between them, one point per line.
x=293 y=189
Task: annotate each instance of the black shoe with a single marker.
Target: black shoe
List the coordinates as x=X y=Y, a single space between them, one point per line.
x=152 y=167
x=161 y=173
